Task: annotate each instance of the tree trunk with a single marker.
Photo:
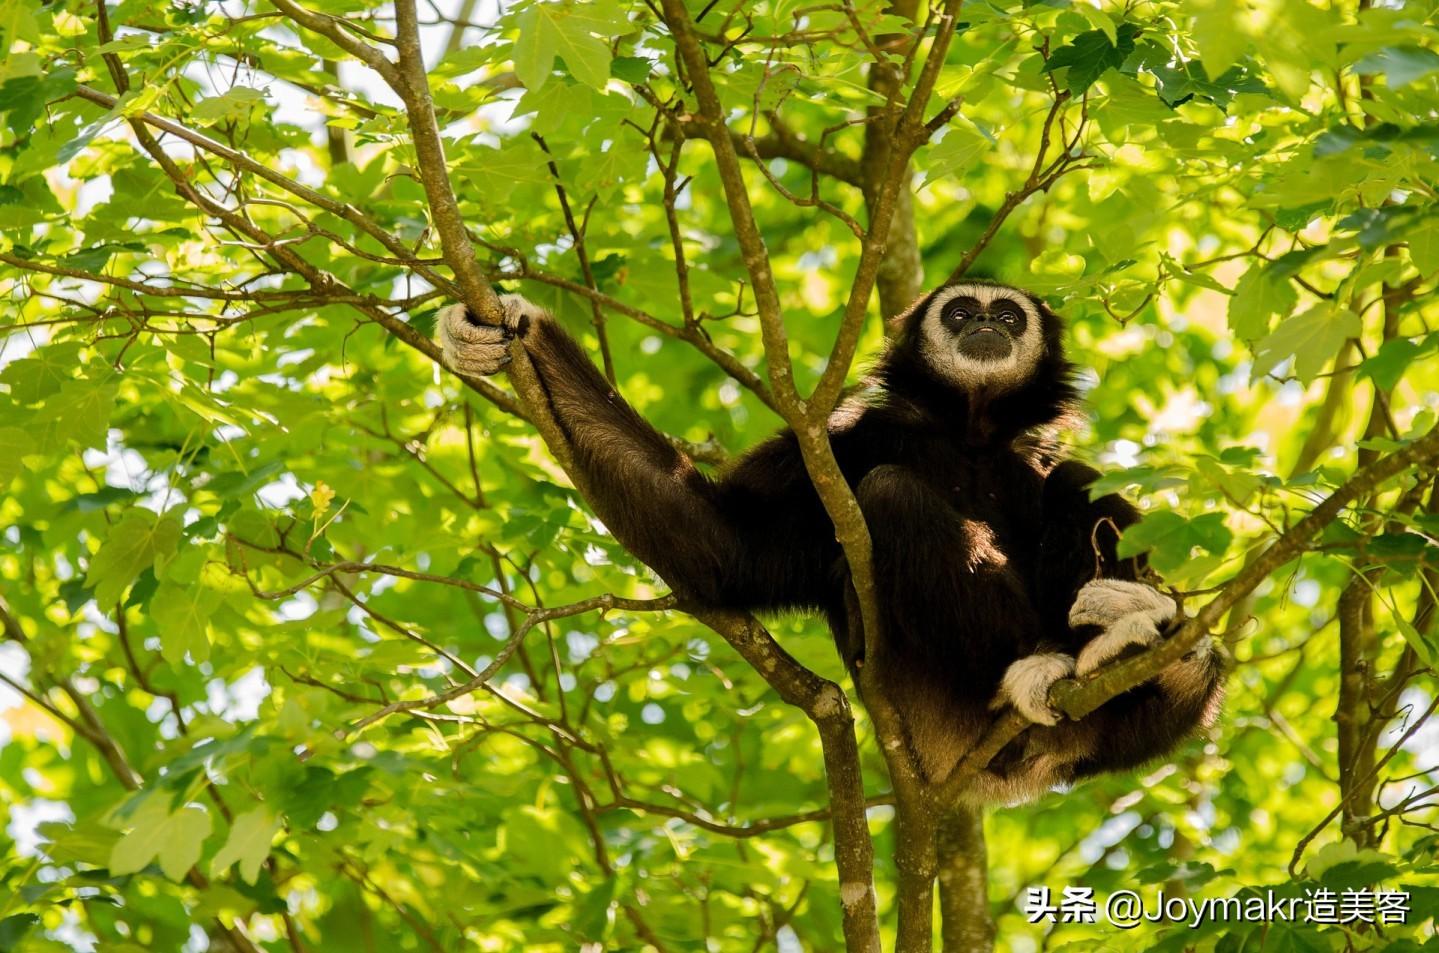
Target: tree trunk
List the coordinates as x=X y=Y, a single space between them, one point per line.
x=967 y=926
x=930 y=839
x=915 y=860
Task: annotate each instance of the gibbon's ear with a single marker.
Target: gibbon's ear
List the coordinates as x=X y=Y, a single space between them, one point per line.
x=896 y=326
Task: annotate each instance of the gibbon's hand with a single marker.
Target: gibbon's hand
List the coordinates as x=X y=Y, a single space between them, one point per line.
x=476 y=349
x=1132 y=614
x=1026 y=686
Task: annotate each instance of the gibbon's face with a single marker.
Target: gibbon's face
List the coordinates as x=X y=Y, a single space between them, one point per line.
x=982 y=336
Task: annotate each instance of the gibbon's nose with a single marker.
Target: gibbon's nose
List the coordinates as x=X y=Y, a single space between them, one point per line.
x=984 y=325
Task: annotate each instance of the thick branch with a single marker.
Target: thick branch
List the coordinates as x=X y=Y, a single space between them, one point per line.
x=413 y=86
x=756 y=256
x=910 y=132
x=826 y=705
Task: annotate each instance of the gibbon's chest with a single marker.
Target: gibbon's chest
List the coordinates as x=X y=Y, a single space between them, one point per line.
x=1000 y=489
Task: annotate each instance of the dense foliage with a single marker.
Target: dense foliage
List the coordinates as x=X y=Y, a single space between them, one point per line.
x=309 y=645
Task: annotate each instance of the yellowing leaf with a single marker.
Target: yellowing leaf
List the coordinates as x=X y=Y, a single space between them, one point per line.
x=68 y=24
x=321 y=497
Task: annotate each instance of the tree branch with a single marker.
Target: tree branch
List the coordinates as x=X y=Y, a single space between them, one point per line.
x=781 y=143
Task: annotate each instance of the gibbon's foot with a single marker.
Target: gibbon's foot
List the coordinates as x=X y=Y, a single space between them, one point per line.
x=1026 y=685
x=1133 y=615
x=475 y=349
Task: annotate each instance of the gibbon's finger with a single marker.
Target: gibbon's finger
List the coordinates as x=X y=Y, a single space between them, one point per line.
x=1132 y=632
x=519 y=311
x=455 y=325
x=478 y=360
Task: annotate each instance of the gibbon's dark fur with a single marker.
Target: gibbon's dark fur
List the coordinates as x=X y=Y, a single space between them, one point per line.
x=981 y=543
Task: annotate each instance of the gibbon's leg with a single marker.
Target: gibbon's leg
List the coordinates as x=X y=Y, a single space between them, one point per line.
x=1126 y=731
x=700 y=536
x=955 y=614
x=1150 y=720
x=1109 y=615
x=1076 y=545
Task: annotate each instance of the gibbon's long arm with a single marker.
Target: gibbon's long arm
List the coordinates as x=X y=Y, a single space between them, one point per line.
x=739 y=541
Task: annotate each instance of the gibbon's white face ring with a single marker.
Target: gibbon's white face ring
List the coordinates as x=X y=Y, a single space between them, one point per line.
x=942 y=347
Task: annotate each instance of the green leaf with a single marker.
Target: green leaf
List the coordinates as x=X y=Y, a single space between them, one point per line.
x=175 y=840
x=1393 y=358
x=1185 y=80
x=1217 y=35
x=79 y=412
x=586 y=58
x=182 y=614
x=183 y=838
x=550 y=30
x=248 y=844
x=631 y=69
x=1170 y=538
x=41 y=374
x=1399 y=65
x=1089 y=54
x=1424 y=247
x=1258 y=296
x=13 y=929
x=594 y=912
x=236 y=104
x=1236 y=484
x=95 y=257
x=1129 y=102
x=961 y=148
x=1312 y=338
x=1427 y=647
x=519 y=162
x=23 y=98
x=535 y=45
x=14 y=444
x=137 y=542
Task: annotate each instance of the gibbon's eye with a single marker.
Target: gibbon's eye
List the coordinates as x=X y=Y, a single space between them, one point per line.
x=956 y=312
x=1008 y=317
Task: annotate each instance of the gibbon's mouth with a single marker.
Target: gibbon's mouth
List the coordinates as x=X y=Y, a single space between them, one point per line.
x=985 y=343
